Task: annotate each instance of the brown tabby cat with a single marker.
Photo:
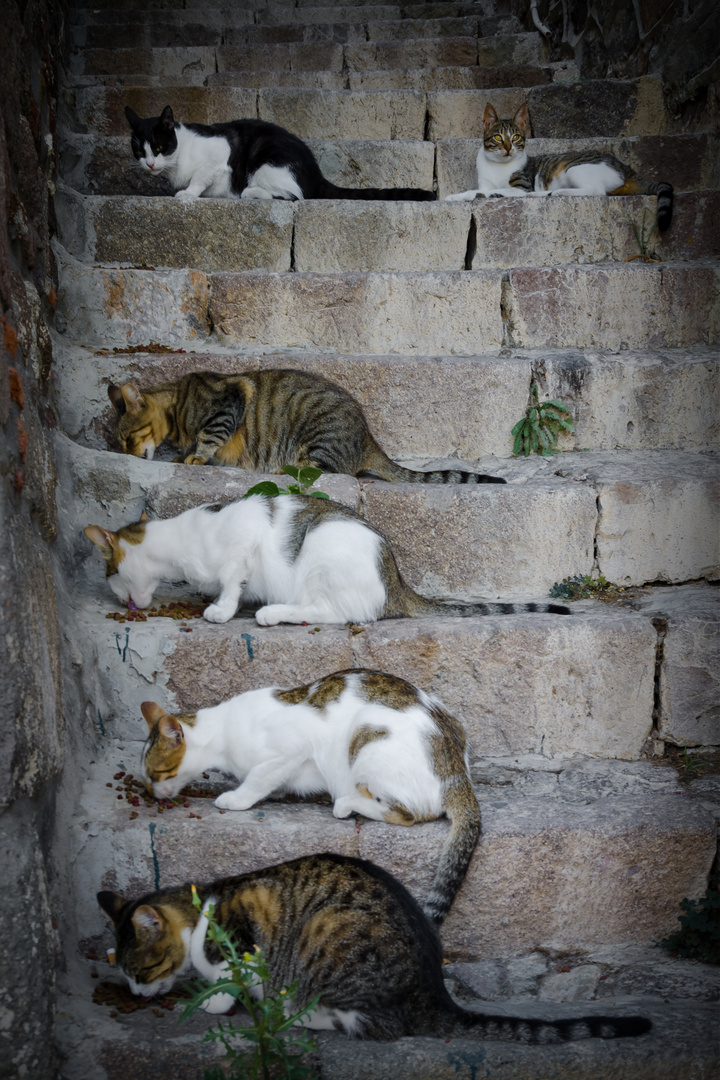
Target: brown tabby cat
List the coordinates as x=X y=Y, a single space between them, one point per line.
x=504 y=169
x=261 y=420
x=345 y=930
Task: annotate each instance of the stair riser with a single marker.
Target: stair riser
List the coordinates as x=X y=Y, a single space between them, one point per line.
x=637 y=403
x=350 y=236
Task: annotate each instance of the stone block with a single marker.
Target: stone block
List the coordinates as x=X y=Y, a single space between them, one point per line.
x=319 y=13
x=448 y=312
x=585 y=109
x=376 y=163
x=487 y=540
x=618 y=307
x=158 y=35
x=311 y=80
x=133 y=307
x=512 y=49
x=559 y=685
x=208 y=234
x=380 y=29
x=338 y=114
x=295 y=56
x=386 y=236
x=458 y=114
x=100 y=108
x=450 y=78
x=689 y=712
x=438 y=52
x=132 y=61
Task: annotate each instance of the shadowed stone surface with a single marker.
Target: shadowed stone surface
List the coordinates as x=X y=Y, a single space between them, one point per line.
x=326 y=114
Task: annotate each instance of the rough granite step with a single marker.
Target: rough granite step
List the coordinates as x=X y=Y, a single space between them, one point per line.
x=348 y=236
x=417 y=406
x=572 y=856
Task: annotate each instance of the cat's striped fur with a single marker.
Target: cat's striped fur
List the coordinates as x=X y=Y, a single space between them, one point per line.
x=375 y=743
x=261 y=420
x=504 y=168
x=304 y=559
x=346 y=931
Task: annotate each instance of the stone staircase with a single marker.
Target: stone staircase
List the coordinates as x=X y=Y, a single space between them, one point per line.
x=436 y=317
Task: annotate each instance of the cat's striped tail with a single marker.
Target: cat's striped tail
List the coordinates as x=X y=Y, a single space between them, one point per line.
x=421 y=605
x=460 y=805
x=377 y=461
x=664 y=193
x=534 y=1031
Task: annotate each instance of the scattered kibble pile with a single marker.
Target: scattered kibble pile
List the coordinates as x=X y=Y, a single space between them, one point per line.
x=178 y=609
x=119 y=999
x=134 y=792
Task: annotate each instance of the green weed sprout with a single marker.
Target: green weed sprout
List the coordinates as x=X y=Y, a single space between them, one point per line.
x=537 y=432
x=699 y=938
x=272 y=1047
x=305 y=476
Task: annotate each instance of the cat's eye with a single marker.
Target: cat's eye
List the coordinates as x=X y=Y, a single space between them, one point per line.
x=498 y=138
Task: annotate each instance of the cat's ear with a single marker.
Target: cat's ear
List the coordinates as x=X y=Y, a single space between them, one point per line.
x=115 y=395
x=171 y=729
x=490 y=117
x=522 y=118
x=167 y=119
x=152 y=713
x=148 y=922
x=144 y=517
x=101 y=538
x=132 y=118
x=132 y=396
x=112 y=904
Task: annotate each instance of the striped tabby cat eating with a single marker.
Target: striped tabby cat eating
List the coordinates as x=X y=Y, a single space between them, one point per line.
x=261 y=420
x=342 y=928
x=303 y=559
x=377 y=744
x=504 y=168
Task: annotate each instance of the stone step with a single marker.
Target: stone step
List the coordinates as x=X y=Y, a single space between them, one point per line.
x=105 y=166
x=350 y=31
x=283 y=14
x=341 y=236
x=607 y=850
x=455 y=312
x=514 y=49
x=417 y=406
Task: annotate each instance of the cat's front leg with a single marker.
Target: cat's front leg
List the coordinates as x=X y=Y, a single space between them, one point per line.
x=226 y=604
x=186 y=195
x=260 y=782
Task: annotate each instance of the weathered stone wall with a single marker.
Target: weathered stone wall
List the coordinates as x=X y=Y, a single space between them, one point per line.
x=677 y=40
x=30 y=692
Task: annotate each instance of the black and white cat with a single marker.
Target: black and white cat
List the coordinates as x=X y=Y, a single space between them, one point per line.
x=243 y=159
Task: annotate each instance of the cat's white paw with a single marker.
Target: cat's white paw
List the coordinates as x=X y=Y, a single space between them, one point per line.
x=230 y=800
x=462 y=196
x=185 y=196
x=218 y=1003
x=270 y=615
x=343 y=807
x=218 y=613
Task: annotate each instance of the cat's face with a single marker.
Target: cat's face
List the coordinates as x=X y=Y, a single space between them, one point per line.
x=154 y=141
x=504 y=140
x=141 y=425
x=152 y=943
x=163 y=758
x=127 y=569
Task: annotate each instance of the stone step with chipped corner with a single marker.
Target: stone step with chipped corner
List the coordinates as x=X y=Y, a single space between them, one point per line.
x=689 y=162
x=600 y=866
x=105 y=165
x=459 y=313
x=324 y=236
x=664 y=399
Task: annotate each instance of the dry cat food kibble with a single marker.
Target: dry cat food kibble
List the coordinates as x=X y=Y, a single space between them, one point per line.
x=178 y=610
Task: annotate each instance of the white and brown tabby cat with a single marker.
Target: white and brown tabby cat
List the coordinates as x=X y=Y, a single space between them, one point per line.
x=345 y=931
x=304 y=559
x=261 y=420
x=504 y=168
x=377 y=744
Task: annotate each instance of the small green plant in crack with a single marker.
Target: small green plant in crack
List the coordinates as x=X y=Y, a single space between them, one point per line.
x=537 y=432
x=691 y=764
x=305 y=477
x=645 y=235
x=583 y=587
x=699 y=938
x=271 y=1046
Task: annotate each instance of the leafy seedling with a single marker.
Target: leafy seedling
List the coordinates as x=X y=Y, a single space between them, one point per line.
x=537 y=432
x=305 y=477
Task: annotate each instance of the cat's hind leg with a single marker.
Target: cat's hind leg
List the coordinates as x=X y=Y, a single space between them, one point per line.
x=272 y=182
x=272 y=614
x=464 y=196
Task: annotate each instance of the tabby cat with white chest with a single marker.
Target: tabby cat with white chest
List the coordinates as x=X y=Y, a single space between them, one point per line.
x=304 y=559
x=504 y=169
x=261 y=420
x=346 y=931
x=242 y=159
x=375 y=743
